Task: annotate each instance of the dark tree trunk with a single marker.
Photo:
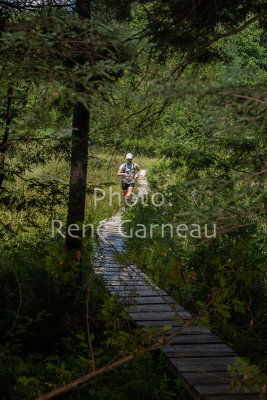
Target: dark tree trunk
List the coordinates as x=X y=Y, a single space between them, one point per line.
x=78 y=174
x=4 y=144
x=79 y=158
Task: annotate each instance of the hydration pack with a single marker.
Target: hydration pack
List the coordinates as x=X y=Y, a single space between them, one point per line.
x=129 y=169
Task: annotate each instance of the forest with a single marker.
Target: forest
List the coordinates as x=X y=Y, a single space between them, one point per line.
x=177 y=89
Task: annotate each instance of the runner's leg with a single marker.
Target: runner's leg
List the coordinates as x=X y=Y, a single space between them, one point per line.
x=129 y=193
x=124 y=189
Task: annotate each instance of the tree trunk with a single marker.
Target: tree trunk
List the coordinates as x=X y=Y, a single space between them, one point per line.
x=79 y=158
x=78 y=174
x=4 y=144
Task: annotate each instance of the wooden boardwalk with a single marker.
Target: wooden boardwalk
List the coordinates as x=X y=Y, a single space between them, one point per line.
x=196 y=355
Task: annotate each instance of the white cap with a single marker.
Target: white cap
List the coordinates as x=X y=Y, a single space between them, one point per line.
x=129 y=155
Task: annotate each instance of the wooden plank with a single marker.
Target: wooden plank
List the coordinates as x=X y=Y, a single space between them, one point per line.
x=218 y=389
x=122 y=276
x=113 y=271
x=207 y=378
x=159 y=323
x=197 y=350
x=126 y=286
x=117 y=276
x=111 y=238
x=110 y=243
x=110 y=264
x=157 y=316
x=154 y=307
x=189 y=330
x=194 y=338
x=109 y=246
x=185 y=331
x=197 y=364
x=154 y=300
x=126 y=282
x=127 y=289
x=143 y=292
x=112 y=231
x=117 y=268
x=108 y=254
x=130 y=292
x=146 y=299
x=121 y=272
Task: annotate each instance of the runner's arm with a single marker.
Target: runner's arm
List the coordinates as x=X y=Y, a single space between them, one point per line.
x=138 y=172
x=120 y=173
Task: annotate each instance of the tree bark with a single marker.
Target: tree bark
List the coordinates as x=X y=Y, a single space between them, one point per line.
x=78 y=174
x=79 y=159
x=4 y=144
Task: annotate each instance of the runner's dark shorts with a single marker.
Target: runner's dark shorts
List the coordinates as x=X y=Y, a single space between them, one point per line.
x=126 y=185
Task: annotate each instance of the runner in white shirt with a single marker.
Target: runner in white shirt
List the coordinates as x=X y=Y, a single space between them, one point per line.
x=127 y=172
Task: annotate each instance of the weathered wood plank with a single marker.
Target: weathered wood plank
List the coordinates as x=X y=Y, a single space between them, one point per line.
x=109 y=244
x=115 y=279
x=112 y=276
x=126 y=282
x=157 y=316
x=208 y=364
x=110 y=264
x=142 y=291
x=207 y=378
x=123 y=276
x=118 y=271
x=194 y=338
x=197 y=350
x=126 y=286
x=217 y=389
x=184 y=331
x=117 y=268
x=159 y=324
x=154 y=307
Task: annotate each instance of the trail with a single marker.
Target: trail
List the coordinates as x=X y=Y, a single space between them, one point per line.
x=196 y=355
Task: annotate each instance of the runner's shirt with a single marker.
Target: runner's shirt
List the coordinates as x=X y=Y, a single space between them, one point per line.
x=129 y=169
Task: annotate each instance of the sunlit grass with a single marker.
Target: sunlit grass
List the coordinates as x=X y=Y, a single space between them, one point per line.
x=29 y=222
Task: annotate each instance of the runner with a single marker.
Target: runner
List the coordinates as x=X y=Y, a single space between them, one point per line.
x=127 y=172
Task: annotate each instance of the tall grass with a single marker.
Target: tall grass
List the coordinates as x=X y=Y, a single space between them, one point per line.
x=27 y=221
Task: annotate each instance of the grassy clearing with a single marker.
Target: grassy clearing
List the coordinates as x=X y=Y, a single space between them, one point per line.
x=102 y=173
x=47 y=203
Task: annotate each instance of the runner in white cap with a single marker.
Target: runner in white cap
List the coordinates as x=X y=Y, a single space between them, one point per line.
x=127 y=172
